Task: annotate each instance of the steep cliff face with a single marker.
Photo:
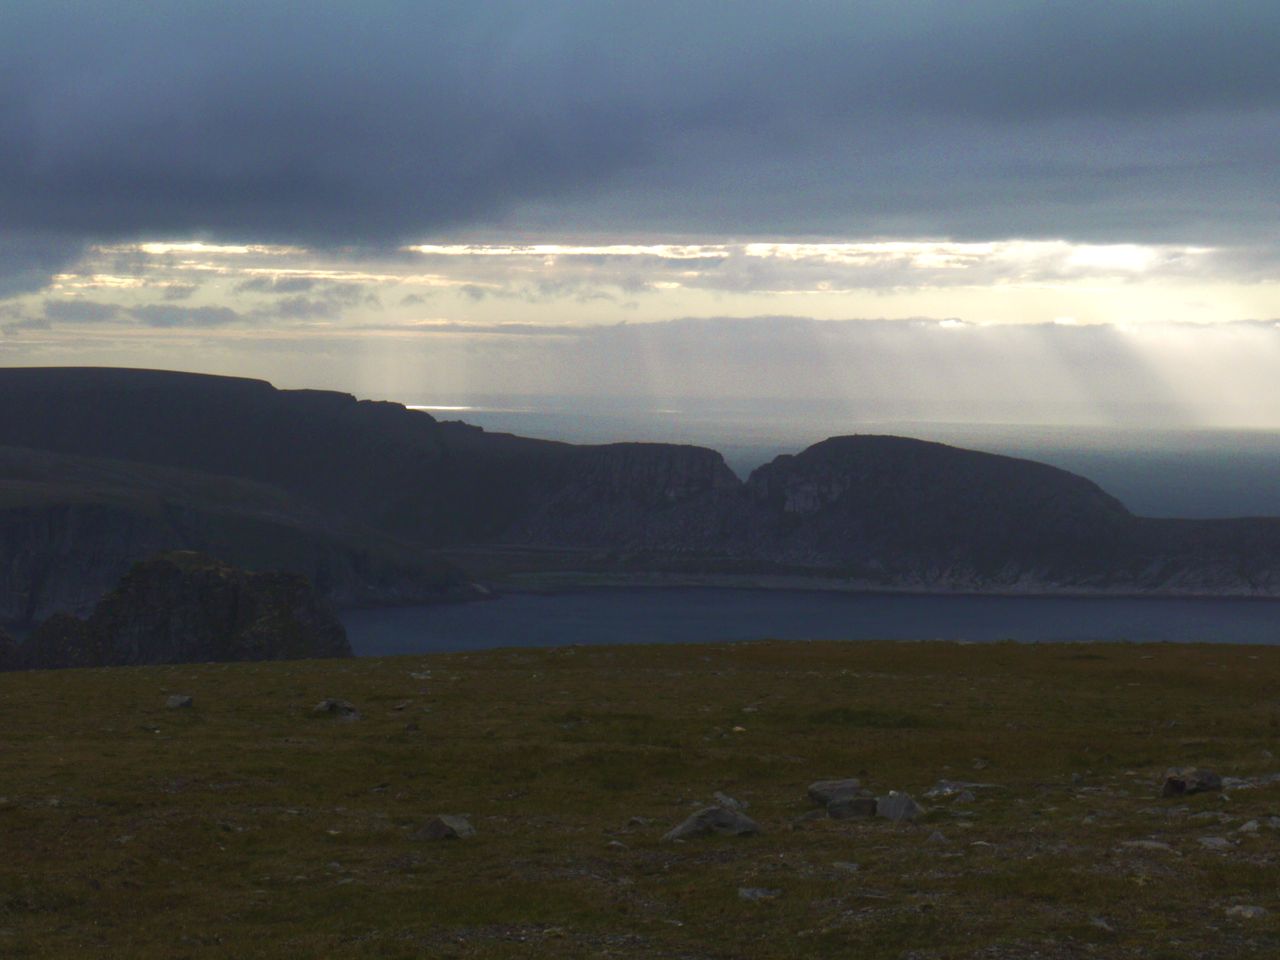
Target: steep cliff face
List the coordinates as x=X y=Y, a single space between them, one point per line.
x=633 y=496
x=70 y=527
x=10 y=653
x=359 y=496
x=186 y=608
x=889 y=505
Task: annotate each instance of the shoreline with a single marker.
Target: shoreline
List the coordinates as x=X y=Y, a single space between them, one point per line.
x=567 y=582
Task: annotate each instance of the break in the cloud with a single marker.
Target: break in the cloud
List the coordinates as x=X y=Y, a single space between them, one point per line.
x=1167 y=375
x=590 y=284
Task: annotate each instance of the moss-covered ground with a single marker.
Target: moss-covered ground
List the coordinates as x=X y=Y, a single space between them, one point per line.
x=248 y=827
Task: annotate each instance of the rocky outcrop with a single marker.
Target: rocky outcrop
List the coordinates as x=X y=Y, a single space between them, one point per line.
x=189 y=608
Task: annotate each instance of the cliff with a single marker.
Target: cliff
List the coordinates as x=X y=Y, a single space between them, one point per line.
x=362 y=497
x=70 y=527
x=892 y=508
x=188 y=608
x=633 y=496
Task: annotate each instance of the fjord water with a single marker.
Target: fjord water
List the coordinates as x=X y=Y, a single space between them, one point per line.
x=618 y=615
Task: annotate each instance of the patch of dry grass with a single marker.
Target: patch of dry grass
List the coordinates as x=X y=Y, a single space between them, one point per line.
x=247 y=827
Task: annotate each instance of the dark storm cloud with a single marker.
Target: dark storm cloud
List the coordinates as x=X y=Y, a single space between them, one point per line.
x=29 y=257
x=80 y=311
x=369 y=124
x=275 y=285
x=165 y=316
x=158 y=315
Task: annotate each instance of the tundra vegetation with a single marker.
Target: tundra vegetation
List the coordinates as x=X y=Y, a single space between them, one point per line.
x=251 y=820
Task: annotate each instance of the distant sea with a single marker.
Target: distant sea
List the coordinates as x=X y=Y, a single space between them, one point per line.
x=1163 y=472
x=616 y=615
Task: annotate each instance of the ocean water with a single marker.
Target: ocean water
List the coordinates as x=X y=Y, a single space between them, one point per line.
x=615 y=615
x=1154 y=472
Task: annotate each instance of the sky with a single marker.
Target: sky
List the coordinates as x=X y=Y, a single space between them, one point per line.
x=1012 y=212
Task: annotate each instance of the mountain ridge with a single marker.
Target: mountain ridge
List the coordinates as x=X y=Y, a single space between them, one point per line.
x=389 y=488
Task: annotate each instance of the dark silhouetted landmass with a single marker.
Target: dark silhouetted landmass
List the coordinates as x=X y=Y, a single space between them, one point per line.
x=368 y=499
x=189 y=608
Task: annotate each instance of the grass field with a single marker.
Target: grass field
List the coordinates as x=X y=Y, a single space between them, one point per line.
x=248 y=827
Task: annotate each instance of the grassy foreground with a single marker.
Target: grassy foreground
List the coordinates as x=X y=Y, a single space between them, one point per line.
x=247 y=827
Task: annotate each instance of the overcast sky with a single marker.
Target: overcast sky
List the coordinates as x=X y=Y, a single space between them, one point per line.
x=472 y=197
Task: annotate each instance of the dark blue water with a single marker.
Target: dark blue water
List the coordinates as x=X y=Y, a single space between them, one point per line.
x=699 y=615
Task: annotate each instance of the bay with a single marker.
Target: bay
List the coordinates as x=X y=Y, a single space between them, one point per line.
x=627 y=615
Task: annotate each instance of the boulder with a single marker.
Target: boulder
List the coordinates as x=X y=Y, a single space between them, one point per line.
x=730 y=803
x=1216 y=843
x=1246 y=912
x=1158 y=846
x=343 y=709
x=851 y=808
x=714 y=820
x=1179 y=781
x=954 y=788
x=824 y=791
x=445 y=827
x=898 y=807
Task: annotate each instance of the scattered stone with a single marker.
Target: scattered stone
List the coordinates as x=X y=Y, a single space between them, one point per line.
x=616 y=845
x=898 y=807
x=728 y=802
x=1179 y=781
x=178 y=701
x=954 y=788
x=714 y=820
x=445 y=827
x=1251 y=827
x=639 y=822
x=937 y=837
x=411 y=726
x=1246 y=912
x=1215 y=815
x=846 y=866
x=757 y=893
x=852 y=807
x=343 y=709
x=1102 y=924
x=965 y=796
x=1216 y=843
x=980 y=763
x=824 y=792
x=1148 y=845
x=807 y=817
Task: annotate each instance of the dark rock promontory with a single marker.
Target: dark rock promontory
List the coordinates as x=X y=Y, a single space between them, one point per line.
x=188 y=608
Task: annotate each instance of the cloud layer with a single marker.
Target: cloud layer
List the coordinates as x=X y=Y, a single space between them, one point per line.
x=338 y=124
